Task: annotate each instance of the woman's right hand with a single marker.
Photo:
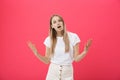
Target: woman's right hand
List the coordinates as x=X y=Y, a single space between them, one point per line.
x=32 y=47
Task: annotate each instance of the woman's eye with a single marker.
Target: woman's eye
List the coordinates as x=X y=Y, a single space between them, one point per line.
x=54 y=22
x=59 y=20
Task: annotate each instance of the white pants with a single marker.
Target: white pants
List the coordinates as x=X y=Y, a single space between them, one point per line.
x=60 y=72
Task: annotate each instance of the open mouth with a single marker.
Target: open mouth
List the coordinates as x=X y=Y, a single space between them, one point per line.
x=58 y=26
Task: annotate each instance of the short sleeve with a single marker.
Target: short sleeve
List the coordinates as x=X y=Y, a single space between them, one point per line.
x=76 y=39
x=47 y=42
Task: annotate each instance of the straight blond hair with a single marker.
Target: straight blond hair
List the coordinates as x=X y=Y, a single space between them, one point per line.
x=53 y=35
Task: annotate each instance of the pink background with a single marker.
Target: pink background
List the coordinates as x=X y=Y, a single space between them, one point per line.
x=23 y=20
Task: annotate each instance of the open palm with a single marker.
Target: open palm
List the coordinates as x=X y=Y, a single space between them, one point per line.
x=32 y=47
x=88 y=44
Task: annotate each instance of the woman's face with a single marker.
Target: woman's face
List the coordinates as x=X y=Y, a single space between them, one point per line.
x=57 y=23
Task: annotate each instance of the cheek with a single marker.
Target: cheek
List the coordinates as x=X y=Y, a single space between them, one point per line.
x=53 y=26
x=62 y=23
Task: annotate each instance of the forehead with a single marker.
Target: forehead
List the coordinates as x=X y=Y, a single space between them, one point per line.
x=56 y=18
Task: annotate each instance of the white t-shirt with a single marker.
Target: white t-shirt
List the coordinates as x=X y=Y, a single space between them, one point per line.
x=60 y=56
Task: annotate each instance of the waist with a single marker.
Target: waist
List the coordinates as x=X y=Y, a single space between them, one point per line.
x=62 y=61
x=57 y=64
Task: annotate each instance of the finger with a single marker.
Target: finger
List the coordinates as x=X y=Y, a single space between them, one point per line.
x=32 y=46
x=89 y=42
x=29 y=43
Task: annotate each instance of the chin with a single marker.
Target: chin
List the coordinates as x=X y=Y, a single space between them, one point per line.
x=60 y=30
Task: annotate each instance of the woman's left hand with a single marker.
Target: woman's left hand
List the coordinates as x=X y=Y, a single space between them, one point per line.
x=88 y=44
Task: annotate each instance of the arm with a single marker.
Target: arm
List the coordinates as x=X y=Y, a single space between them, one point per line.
x=77 y=56
x=45 y=58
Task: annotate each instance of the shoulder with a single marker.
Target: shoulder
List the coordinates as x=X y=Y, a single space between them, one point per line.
x=74 y=38
x=72 y=34
x=47 y=39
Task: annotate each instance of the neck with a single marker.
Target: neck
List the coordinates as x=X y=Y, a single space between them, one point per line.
x=59 y=34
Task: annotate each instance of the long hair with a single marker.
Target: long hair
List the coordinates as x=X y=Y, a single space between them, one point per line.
x=53 y=35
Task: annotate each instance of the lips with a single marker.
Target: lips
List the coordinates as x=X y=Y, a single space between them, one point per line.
x=58 y=26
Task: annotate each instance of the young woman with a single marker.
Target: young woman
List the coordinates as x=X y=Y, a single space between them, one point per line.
x=62 y=48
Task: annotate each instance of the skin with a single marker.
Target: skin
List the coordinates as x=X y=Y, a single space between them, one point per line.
x=56 y=22
x=46 y=59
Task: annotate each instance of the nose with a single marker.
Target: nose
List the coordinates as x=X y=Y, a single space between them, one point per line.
x=58 y=23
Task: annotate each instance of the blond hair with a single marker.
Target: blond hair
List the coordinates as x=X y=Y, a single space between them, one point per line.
x=53 y=35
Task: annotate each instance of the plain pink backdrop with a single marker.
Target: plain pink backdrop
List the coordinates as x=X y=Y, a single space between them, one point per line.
x=23 y=20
